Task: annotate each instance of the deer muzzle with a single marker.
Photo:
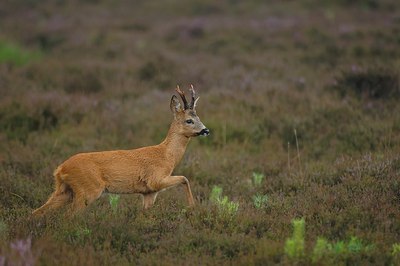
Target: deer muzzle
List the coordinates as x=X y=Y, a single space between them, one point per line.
x=204 y=132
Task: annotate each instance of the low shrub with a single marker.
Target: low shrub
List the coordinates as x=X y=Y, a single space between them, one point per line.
x=373 y=83
x=17 y=121
x=82 y=81
x=19 y=253
x=160 y=71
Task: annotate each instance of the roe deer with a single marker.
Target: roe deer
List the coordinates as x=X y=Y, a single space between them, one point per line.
x=84 y=177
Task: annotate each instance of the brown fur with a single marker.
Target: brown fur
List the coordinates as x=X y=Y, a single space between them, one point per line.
x=83 y=178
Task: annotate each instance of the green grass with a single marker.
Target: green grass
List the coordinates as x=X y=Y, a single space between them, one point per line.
x=16 y=55
x=114 y=200
x=328 y=70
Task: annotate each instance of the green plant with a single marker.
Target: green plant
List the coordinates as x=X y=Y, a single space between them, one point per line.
x=77 y=235
x=294 y=246
x=396 y=249
x=114 y=200
x=260 y=201
x=14 y=54
x=216 y=194
x=321 y=249
x=82 y=232
x=355 y=245
x=258 y=178
x=226 y=207
x=339 y=248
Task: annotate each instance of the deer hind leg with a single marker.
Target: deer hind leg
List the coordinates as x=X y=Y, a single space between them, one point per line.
x=83 y=196
x=58 y=199
x=149 y=199
x=171 y=181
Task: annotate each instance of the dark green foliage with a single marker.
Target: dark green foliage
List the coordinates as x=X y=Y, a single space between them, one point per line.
x=82 y=81
x=17 y=121
x=159 y=71
x=374 y=83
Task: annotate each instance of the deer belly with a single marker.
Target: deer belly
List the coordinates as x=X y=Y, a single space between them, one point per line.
x=126 y=186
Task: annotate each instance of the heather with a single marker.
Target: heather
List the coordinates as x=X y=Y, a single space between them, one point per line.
x=301 y=97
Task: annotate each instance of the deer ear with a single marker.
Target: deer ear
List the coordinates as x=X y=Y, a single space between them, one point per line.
x=175 y=105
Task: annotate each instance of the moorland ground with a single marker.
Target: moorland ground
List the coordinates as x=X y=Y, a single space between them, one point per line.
x=301 y=97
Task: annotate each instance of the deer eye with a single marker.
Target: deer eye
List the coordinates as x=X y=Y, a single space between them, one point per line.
x=189 y=121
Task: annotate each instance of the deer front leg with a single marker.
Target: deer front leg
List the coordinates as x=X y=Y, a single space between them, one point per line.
x=149 y=199
x=171 y=181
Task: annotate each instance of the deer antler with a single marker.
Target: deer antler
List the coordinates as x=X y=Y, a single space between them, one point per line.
x=194 y=99
x=182 y=94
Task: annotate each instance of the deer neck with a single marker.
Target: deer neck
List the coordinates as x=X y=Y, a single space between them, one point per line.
x=175 y=144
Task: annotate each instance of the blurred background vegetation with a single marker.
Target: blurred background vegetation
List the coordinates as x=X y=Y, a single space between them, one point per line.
x=97 y=75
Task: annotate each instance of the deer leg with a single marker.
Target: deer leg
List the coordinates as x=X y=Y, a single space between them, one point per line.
x=54 y=202
x=149 y=199
x=171 y=181
x=82 y=199
x=78 y=203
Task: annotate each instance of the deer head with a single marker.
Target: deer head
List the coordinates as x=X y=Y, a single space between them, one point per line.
x=185 y=118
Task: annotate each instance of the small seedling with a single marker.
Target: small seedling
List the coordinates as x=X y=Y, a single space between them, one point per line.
x=82 y=232
x=114 y=200
x=225 y=206
x=257 y=178
x=339 y=248
x=228 y=207
x=294 y=246
x=396 y=249
x=322 y=248
x=216 y=194
x=355 y=245
x=260 y=201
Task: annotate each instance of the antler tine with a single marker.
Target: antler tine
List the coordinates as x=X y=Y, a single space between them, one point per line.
x=182 y=94
x=193 y=94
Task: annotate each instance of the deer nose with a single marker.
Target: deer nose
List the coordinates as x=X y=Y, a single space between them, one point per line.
x=205 y=132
